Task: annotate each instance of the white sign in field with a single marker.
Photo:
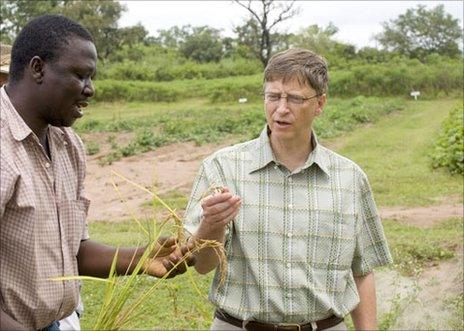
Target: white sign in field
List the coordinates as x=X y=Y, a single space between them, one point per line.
x=415 y=94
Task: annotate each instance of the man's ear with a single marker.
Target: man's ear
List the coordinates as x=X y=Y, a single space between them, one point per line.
x=321 y=101
x=36 y=68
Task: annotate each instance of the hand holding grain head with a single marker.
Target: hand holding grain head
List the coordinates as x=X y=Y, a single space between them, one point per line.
x=219 y=208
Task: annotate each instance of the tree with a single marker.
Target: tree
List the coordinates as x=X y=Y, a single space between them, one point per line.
x=321 y=41
x=265 y=15
x=100 y=17
x=202 y=44
x=199 y=43
x=14 y=15
x=420 y=32
x=318 y=39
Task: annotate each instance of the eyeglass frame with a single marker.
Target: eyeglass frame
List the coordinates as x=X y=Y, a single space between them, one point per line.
x=286 y=95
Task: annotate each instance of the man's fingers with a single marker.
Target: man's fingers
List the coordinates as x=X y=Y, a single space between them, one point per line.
x=229 y=215
x=189 y=257
x=166 y=241
x=221 y=206
x=215 y=199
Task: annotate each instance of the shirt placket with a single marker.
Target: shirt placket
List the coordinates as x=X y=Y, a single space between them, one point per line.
x=287 y=239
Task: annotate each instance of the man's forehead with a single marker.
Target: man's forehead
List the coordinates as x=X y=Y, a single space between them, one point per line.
x=78 y=49
x=289 y=84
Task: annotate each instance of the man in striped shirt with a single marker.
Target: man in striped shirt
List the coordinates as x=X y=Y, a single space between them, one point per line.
x=298 y=221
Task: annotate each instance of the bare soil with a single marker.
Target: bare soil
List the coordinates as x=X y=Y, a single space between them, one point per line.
x=173 y=168
x=169 y=168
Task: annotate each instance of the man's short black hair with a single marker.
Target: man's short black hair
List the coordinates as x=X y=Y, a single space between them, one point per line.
x=45 y=36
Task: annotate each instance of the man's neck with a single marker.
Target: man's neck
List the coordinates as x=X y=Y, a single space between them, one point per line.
x=26 y=106
x=291 y=153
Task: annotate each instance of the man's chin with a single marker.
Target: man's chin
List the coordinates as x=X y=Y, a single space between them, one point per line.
x=63 y=122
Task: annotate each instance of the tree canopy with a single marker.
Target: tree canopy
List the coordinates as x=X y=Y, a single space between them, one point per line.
x=100 y=17
x=420 y=32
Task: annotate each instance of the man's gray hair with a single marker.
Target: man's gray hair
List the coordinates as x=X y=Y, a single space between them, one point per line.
x=309 y=68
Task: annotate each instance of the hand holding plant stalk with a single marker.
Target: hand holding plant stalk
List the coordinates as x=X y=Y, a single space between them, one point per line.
x=165 y=257
x=220 y=207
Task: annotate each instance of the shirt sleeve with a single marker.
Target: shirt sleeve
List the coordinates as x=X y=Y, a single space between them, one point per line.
x=371 y=245
x=208 y=176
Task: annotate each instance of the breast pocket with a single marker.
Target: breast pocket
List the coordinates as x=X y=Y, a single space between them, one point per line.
x=72 y=217
x=336 y=240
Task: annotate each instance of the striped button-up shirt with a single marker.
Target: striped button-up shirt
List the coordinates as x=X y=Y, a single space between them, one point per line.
x=299 y=238
x=42 y=219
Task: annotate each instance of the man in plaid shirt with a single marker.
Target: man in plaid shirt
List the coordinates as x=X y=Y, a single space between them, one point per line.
x=43 y=231
x=298 y=221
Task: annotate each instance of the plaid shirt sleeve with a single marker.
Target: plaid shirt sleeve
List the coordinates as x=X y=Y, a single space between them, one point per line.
x=371 y=245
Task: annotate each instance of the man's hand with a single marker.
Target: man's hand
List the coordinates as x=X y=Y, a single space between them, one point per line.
x=218 y=210
x=166 y=255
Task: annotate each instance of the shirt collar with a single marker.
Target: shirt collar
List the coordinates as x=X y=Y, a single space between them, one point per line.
x=18 y=127
x=266 y=156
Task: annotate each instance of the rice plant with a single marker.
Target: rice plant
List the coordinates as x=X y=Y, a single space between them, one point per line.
x=123 y=298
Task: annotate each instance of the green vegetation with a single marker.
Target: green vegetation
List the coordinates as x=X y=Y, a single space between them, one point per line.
x=456 y=303
x=414 y=248
x=174 y=298
x=160 y=124
x=92 y=147
x=448 y=149
x=394 y=152
x=395 y=78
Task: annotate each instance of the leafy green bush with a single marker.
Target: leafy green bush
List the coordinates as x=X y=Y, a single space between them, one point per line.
x=164 y=70
x=223 y=89
x=448 y=151
x=394 y=78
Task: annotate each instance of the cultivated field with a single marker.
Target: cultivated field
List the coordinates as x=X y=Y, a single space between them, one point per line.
x=160 y=146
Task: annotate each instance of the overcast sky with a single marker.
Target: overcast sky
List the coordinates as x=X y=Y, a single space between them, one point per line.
x=357 y=21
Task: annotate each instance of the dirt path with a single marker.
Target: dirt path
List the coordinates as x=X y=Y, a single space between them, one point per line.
x=174 y=168
x=421 y=303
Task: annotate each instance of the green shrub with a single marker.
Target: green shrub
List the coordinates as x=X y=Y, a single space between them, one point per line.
x=448 y=150
x=92 y=147
x=187 y=80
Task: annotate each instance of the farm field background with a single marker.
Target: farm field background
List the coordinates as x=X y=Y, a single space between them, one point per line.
x=160 y=145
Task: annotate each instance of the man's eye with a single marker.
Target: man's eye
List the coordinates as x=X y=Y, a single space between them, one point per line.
x=295 y=99
x=273 y=97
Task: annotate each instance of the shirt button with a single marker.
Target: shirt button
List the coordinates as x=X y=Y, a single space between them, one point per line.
x=290 y=206
x=276 y=167
x=288 y=295
x=47 y=165
x=289 y=264
x=289 y=234
x=65 y=143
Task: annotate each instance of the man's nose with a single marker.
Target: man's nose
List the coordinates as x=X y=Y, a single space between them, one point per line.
x=282 y=105
x=89 y=91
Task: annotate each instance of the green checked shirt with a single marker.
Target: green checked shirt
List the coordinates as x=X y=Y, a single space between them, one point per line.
x=299 y=237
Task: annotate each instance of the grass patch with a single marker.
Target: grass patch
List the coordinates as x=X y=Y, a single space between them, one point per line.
x=414 y=248
x=394 y=154
x=175 y=298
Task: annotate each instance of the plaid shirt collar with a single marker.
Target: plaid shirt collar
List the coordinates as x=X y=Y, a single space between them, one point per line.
x=19 y=129
x=266 y=155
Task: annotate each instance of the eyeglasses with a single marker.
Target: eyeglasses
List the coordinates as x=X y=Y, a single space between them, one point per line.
x=291 y=98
